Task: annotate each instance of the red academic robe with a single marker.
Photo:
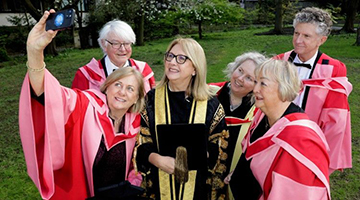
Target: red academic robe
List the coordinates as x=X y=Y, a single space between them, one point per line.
x=61 y=139
x=327 y=105
x=290 y=160
x=92 y=75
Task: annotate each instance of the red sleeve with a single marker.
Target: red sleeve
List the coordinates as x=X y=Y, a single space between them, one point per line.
x=80 y=81
x=278 y=57
x=339 y=69
x=306 y=144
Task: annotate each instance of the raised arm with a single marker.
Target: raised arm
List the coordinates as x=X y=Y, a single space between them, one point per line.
x=37 y=40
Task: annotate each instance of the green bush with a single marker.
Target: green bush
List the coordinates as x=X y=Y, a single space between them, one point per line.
x=3 y=55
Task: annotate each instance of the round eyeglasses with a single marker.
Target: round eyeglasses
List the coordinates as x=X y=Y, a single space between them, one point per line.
x=117 y=45
x=180 y=59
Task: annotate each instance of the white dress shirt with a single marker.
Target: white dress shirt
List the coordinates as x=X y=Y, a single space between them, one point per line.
x=303 y=73
x=110 y=67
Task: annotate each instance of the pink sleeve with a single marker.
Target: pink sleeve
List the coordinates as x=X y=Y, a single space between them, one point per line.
x=42 y=131
x=134 y=178
x=290 y=179
x=335 y=123
x=285 y=188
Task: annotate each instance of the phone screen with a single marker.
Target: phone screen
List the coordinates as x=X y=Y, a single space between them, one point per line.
x=60 y=20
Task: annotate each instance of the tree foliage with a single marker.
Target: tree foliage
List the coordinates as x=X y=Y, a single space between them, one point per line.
x=209 y=11
x=166 y=15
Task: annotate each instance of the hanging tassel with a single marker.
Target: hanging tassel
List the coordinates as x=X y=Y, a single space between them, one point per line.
x=181 y=166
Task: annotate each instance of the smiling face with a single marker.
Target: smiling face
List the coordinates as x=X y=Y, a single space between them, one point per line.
x=120 y=55
x=306 y=41
x=122 y=94
x=179 y=75
x=242 y=79
x=266 y=93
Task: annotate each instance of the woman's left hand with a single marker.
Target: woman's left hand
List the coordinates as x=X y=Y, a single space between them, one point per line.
x=165 y=163
x=228 y=177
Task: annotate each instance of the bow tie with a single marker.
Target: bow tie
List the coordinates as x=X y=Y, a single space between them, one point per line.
x=303 y=65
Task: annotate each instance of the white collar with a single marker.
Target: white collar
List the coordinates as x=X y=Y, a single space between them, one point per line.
x=311 y=61
x=110 y=67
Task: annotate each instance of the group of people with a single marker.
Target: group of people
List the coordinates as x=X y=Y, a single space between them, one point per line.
x=276 y=129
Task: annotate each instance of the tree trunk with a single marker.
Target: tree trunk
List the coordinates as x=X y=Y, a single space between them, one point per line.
x=357 y=43
x=278 y=17
x=200 y=30
x=351 y=9
x=51 y=49
x=141 y=31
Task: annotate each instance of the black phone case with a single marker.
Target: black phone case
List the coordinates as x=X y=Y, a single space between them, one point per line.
x=60 y=20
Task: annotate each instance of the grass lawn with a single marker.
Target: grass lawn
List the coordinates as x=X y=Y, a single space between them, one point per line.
x=220 y=48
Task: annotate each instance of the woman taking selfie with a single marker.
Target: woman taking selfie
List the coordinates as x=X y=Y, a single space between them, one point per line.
x=76 y=143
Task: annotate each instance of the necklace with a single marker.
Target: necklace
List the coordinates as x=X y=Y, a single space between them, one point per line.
x=234 y=103
x=116 y=122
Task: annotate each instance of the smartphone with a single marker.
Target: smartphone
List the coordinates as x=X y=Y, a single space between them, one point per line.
x=60 y=20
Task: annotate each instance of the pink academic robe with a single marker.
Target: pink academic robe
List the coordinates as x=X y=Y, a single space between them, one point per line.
x=60 y=139
x=327 y=105
x=92 y=75
x=290 y=160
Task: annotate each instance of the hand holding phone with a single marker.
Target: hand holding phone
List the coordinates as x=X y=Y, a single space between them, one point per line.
x=60 y=20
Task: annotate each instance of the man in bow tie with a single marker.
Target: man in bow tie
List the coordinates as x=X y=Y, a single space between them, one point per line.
x=326 y=88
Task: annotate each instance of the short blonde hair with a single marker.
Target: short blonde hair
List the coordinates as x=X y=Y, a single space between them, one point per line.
x=198 y=87
x=285 y=74
x=125 y=72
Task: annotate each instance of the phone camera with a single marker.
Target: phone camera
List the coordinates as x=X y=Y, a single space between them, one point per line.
x=59 y=19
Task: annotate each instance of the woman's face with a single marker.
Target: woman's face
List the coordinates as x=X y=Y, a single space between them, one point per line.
x=118 y=56
x=123 y=93
x=242 y=79
x=266 y=93
x=179 y=74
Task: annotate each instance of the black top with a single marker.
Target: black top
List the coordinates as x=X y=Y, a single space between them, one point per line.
x=239 y=112
x=109 y=166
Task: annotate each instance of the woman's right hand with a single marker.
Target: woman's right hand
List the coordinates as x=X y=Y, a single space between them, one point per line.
x=165 y=163
x=38 y=38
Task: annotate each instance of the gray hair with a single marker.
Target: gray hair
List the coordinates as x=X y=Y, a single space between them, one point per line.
x=285 y=74
x=119 y=28
x=316 y=16
x=256 y=57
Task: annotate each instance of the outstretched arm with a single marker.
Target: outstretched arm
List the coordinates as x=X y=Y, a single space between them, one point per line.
x=37 y=40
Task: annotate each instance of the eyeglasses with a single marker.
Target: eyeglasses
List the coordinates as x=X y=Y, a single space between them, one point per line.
x=180 y=59
x=117 y=45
